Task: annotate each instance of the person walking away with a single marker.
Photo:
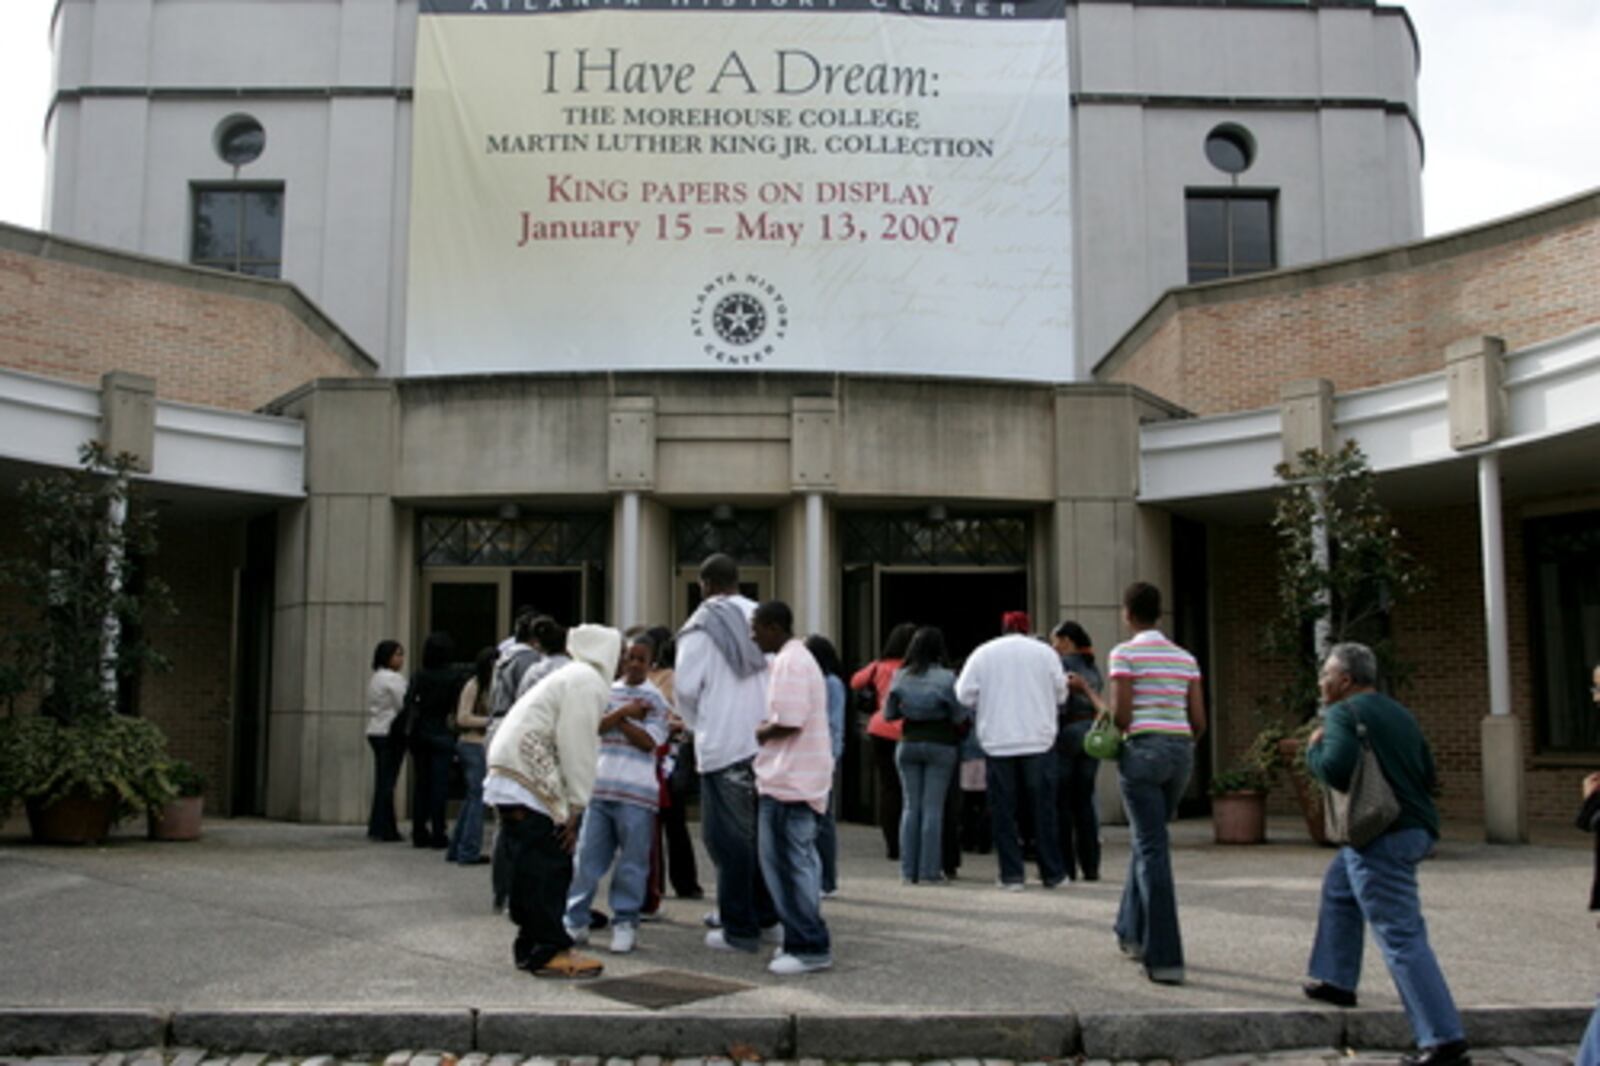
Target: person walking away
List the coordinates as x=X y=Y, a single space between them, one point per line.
x=923 y=695
x=430 y=700
x=794 y=774
x=620 y=821
x=386 y=694
x=550 y=641
x=827 y=656
x=1589 y=822
x=1376 y=885
x=884 y=736
x=1015 y=683
x=542 y=764
x=1157 y=702
x=1076 y=815
x=721 y=685
x=472 y=718
x=677 y=848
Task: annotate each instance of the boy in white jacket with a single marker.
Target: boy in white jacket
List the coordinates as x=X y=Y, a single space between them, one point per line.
x=541 y=774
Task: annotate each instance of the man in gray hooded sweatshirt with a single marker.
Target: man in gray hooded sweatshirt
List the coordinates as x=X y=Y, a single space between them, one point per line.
x=721 y=689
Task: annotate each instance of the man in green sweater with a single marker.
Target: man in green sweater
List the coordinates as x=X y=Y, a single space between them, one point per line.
x=1377 y=884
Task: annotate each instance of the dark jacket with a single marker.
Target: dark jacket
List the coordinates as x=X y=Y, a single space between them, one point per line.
x=1398 y=743
x=430 y=698
x=1589 y=822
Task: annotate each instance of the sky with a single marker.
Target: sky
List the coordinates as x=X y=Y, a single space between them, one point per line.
x=1509 y=94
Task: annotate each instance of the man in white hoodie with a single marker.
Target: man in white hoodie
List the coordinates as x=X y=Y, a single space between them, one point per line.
x=1015 y=683
x=541 y=774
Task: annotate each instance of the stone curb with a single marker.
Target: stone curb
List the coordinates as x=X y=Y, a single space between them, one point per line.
x=1120 y=1035
x=1022 y=1037
x=334 y=1032
x=1198 y=1034
x=631 y=1034
x=65 y=1031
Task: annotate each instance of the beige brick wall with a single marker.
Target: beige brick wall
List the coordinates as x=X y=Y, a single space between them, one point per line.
x=1367 y=321
x=75 y=322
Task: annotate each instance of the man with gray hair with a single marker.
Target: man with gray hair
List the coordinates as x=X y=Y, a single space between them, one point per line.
x=1377 y=884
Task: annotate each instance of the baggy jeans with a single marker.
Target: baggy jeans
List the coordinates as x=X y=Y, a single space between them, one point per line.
x=1377 y=886
x=728 y=816
x=793 y=872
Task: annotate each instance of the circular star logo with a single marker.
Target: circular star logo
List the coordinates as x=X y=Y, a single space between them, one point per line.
x=739 y=318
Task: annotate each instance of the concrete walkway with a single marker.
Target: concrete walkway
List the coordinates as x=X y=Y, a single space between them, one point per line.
x=282 y=919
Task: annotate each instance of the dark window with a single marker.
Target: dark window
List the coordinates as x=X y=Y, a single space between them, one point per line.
x=528 y=540
x=1564 y=615
x=745 y=535
x=1230 y=149
x=911 y=538
x=1230 y=233
x=239 y=228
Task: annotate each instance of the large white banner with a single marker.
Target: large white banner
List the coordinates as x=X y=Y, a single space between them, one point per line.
x=843 y=185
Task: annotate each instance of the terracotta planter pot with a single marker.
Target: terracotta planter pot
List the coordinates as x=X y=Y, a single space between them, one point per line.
x=1306 y=792
x=1239 y=817
x=74 y=819
x=178 y=820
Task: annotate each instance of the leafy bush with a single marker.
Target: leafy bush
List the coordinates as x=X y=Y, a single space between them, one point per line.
x=43 y=760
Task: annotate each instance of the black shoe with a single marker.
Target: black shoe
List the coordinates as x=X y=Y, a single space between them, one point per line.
x=1322 y=990
x=598 y=919
x=481 y=860
x=1449 y=1053
x=694 y=893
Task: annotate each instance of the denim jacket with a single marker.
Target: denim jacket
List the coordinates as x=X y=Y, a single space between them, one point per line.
x=926 y=697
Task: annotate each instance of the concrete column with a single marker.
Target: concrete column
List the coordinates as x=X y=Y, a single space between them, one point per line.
x=128 y=417
x=628 y=572
x=1306 y=413
x=334 y=600
x=1505 y=814
x=813 y=598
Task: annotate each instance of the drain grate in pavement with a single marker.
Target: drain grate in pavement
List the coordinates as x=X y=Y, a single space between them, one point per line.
x=660 y=989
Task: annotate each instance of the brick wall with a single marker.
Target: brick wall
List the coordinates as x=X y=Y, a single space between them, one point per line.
x=1368 y=320
x=1441 y=634
x=206 y=339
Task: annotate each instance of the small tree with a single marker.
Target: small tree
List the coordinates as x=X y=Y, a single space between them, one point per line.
x=81 y=587
x=1341 y=569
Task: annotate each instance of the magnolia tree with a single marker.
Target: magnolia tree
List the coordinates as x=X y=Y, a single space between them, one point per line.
x=1341 y=569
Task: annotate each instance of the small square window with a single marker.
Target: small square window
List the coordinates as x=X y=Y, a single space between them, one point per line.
x=238 y=228
x=1230 y=234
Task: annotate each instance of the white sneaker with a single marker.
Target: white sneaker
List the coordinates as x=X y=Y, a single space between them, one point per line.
x=653 y=916
x=1009 y=886
x=622 y=938
x=716 y=940
x=713 y=919
x=579 y=936
x=830 y=894
x=794 y=965
x=772 y=934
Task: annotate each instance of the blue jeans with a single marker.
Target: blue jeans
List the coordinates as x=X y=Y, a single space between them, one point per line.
x=1078 y=819
x=793 y=872
x=728 y=822
x=1154 y=772
x=925 y=770
x=466 y=838
x=1377 y=885
x=1589 y=1050
x=612 y=828
x=1013 y=779
x=828 y=847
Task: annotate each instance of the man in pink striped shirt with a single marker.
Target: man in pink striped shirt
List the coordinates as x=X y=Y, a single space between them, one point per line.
x=794 y=772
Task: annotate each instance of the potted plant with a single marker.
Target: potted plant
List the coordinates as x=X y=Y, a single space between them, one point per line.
x=1341 y=570
x=67 y=755
x=1239 y=805
x=179 y=817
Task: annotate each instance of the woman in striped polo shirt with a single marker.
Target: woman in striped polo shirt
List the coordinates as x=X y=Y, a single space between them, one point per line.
x=1157 y=702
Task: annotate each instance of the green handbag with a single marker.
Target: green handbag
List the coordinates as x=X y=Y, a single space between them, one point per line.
x=1103 y=741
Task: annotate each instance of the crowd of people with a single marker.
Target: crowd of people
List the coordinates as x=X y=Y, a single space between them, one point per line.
x=588 y=744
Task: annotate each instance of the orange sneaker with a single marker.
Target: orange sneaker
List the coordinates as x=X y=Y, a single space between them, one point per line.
x=570 y=966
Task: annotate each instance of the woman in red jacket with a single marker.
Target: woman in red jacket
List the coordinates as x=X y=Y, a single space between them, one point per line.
x=876 y=676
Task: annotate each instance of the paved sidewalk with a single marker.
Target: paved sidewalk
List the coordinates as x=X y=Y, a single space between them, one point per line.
x=275 y=917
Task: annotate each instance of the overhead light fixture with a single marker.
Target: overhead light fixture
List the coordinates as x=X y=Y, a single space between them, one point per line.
x=937 y=512
x=509 y=512
x=722 y=515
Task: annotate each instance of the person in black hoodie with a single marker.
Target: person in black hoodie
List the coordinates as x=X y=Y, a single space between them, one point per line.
x=430 y=698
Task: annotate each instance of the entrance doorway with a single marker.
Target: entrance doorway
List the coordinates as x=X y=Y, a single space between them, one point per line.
x=965 y=604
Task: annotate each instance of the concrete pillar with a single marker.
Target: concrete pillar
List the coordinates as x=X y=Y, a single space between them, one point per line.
x=628 y=572
x=813 y=447
x=1472 y=372
x=128 y=417
x=812 y=619
x=334 y=601
x=1306 y=411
